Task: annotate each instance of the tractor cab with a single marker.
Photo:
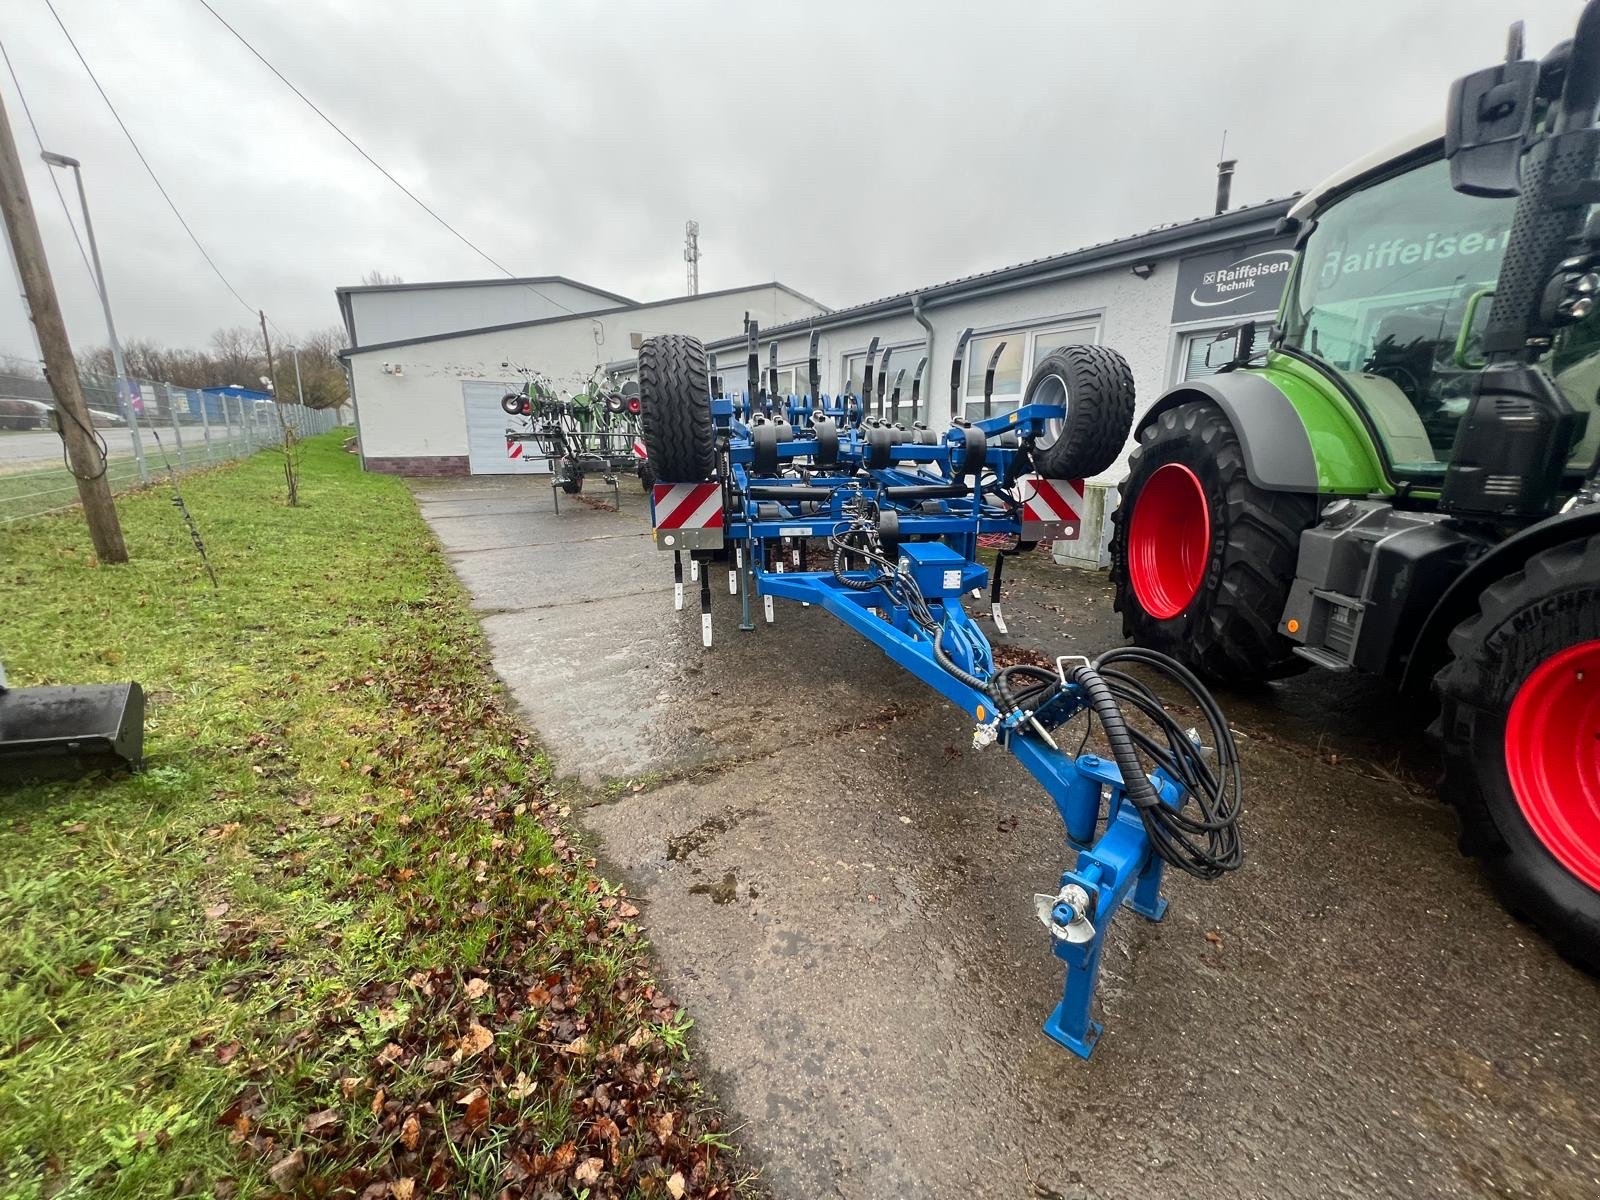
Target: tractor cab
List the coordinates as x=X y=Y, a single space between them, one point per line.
x=1390 y=298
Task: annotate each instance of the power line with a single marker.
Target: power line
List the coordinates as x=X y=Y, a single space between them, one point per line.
x=154 y=178
x=332 y=124
x=54 y=181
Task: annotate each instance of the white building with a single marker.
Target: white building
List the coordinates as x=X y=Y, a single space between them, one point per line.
x=429 y=362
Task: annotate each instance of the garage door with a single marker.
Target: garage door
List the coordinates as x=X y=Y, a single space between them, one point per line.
x=487 y=452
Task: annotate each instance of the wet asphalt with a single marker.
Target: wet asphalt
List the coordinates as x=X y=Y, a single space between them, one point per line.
x=838 y=887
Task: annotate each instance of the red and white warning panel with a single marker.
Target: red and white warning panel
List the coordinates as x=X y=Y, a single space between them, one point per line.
x=513 y=448
x=687 y=516
x=1051 y=508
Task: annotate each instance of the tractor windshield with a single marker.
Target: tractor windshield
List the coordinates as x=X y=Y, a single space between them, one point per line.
x=1386 y=281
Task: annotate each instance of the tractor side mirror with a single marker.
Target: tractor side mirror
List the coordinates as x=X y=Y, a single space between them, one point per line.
x=1487 y=123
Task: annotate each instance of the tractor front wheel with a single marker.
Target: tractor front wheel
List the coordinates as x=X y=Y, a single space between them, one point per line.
x=1201 y=558
x=1519 y=724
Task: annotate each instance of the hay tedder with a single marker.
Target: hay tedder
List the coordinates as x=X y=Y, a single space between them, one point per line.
x=595 y=432
x=834 y=503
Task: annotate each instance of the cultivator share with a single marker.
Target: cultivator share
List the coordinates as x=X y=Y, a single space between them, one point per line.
x=595 y=432
x=834 y=502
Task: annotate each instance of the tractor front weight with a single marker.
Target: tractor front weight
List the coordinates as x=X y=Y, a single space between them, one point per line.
x=894 y=515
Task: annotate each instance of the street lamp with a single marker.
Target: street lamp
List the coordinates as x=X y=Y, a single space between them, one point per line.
x=123 y=400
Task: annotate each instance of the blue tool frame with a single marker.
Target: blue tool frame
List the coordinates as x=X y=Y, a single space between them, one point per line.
x=793 y=471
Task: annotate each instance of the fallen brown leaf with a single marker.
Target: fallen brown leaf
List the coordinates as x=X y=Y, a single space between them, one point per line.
x=589 y=1170
x=403 y=1189
x=675 y=1185
x=477 y=988
x=321 y=1122
x=411 y=1132
x=476 y=1040
x=286 y=1172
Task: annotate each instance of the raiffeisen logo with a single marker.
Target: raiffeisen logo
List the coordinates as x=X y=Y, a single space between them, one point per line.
x=1408 y=252
x=1239 y=279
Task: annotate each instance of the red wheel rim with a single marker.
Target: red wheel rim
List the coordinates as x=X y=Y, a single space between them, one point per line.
x=1169 y=541
x=1553 y=757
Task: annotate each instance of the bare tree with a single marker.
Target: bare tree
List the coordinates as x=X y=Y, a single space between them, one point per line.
x=379 y=279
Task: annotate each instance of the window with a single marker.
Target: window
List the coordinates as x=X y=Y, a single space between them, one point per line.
x=1024 y=346
x=1380 y=294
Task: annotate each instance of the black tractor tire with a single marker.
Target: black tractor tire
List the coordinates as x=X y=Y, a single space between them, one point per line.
x=647 y=476
x=675 y=414
x=1524 y=620
x=1227 y=632
x=572 y=486
x=1095 y=385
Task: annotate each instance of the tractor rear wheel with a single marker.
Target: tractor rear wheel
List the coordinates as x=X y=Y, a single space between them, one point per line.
x=1095 y=386
x=1519 y=724
x=675 y=409
x=1201 y=558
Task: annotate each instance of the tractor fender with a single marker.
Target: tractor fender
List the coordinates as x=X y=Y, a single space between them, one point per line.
x=1460 y=599
x=1277 y=450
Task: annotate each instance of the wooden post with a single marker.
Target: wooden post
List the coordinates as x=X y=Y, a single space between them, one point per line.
x=44 y=310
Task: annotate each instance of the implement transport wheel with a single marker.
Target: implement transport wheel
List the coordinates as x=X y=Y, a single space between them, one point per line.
x=1201 y=558
x=675 y=409
x=572 y=486
x=1519 y=724
x=1095 y=385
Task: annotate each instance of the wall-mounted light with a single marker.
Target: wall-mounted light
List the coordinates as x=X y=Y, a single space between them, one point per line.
x=1144 y=270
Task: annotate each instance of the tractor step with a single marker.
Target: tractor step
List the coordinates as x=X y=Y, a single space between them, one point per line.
x=1322 y=658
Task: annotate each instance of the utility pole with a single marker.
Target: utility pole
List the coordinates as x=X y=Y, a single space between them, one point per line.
x=44 y=310
x=691 y=255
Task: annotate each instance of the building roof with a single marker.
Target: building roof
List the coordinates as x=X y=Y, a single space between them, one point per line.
x=525 y=281
x=1163 y=241
x=599 y=312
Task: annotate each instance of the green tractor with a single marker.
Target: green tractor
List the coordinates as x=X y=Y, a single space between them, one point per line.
x=1403 y=481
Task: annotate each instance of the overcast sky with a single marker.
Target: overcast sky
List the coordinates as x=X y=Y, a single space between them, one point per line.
x=848 y=150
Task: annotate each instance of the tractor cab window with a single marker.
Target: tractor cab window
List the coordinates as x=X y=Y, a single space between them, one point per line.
x=1388 y=278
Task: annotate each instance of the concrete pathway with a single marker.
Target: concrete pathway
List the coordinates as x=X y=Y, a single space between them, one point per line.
x=838 y=889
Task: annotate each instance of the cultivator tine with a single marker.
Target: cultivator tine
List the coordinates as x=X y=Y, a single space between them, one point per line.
x=866 y=377
x=746 y=625
x=894 y=395
x=883 y=378
x=814 y=374
x=752 y=334
x=711 y=371
x=958 y=365
x=988 y=381
x=916 y=389
x=705 y=608
x=677 y=580
x=772 y=374
x=994 y=593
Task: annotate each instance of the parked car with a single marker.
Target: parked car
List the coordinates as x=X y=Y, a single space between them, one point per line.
x=101 y=419
x=17 y=413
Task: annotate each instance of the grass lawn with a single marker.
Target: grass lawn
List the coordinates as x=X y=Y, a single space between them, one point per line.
x=334 y=939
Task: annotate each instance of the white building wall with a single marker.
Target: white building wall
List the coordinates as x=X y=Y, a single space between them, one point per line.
x=418 y=413
x=397 y=314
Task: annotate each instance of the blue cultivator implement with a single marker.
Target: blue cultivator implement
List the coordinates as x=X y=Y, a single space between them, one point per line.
x=764 y=484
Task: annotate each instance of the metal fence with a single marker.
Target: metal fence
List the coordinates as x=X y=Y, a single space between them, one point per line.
x=183 y=428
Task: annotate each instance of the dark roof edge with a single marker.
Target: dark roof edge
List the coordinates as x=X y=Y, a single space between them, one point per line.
x=599 y=312
x=524 y=281
x=1250 y=221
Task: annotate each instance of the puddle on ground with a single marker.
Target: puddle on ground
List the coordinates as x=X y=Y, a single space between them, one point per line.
x=721 y=892
x=702 y=835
